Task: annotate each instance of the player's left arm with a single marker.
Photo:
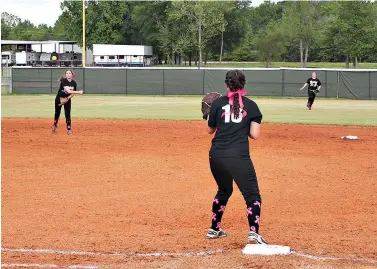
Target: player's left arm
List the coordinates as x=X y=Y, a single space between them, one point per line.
x=210 y=130
x=319 y=84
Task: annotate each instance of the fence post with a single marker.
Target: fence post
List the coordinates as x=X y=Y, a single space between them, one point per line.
x=337 y=86
x=11 y=79
x=204 y=76
x=50 y=79
x=163 y=81
x=326 y=83
x=282 y=82
x=370 y=85
x=83 y=79
x=126 y=81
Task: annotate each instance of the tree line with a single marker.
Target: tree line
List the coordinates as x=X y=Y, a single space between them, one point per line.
x=201 y=31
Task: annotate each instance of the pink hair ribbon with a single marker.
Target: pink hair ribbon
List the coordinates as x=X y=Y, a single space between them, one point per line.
x=241 y=92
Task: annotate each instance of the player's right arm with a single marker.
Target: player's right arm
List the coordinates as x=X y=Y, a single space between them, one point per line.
x=306 y=84
x=69 y=91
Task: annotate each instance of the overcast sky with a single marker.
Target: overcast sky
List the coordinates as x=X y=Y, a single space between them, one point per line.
x=32 y=10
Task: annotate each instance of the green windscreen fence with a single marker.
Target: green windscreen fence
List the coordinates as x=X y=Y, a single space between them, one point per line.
x=342 y=83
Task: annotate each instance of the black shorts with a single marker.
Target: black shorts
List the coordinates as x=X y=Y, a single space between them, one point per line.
x=311 y=94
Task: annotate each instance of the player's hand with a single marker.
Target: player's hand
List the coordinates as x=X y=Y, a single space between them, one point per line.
x=81 y=92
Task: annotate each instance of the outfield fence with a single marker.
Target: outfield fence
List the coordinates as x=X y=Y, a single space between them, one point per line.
x=336 y=83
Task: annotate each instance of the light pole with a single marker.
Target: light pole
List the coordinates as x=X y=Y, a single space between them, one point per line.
x=83 y=35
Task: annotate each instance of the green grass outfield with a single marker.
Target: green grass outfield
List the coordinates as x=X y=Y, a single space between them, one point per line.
x=277 y=110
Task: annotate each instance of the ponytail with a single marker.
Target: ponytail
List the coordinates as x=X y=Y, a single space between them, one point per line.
x=235 y=80
x=236 y=106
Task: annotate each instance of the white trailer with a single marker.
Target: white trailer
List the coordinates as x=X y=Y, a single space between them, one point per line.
x=122 y=55
x=56 y=47
x=7 y=58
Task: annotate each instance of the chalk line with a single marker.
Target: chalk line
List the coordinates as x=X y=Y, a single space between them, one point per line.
x=169 y=254
x=327 y=258
x=38 y=265
x=121 y=254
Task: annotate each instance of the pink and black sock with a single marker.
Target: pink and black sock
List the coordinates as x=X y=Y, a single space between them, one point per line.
x=253 y=215
x=218 y=208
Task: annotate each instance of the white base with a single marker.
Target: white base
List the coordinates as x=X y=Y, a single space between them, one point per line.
x=350 y=137
x=257 y=249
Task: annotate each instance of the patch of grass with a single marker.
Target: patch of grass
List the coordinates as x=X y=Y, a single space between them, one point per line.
x=284 y=110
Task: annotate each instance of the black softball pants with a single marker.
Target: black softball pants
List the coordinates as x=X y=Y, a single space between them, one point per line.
x=311 y=98
x=67 y=112
x=224 y=170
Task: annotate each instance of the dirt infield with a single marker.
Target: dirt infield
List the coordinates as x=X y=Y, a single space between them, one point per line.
x=119 y=187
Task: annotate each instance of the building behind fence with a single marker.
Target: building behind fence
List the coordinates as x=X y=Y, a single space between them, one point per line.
x=336 y=83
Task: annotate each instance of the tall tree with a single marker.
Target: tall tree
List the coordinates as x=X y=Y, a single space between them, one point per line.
x=71 y=20
x=106 y=21
x=272 y=44
x=352 y=28
x=207 y=18
x=300 y=22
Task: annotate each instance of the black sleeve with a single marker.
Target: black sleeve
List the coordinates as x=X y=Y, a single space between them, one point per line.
x=308 y=81
x=254 y=112
x=61 y=88
x=74 y=85
x=319 y=83
x=212 y=121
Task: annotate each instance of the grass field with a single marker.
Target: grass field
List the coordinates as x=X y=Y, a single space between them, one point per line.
x=282 y=110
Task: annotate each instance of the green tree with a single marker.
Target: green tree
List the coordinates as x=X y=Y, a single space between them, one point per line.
x=70 y=21
x=271 y=45
x=300 y=23
x=207 y=20
x=351 y=28
x=146 y=20
x=105 y=22
x=8 y=22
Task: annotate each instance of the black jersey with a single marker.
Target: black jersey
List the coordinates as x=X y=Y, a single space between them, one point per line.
x=232 y=135
x=313 y=83
x=66 y=83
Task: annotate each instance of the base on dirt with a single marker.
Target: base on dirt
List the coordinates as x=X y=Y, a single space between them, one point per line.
x=257 y=249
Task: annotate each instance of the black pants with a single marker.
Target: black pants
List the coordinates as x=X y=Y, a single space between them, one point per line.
x=311 y=98
x=67 y=112
x=224 y=170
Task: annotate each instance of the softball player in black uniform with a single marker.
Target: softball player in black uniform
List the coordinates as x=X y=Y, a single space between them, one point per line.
x=234 y=118
x=314 y=86
x=67 y=87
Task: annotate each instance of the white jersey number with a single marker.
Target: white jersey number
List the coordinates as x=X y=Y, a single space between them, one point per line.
x=230 y=116
x=313 y=83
